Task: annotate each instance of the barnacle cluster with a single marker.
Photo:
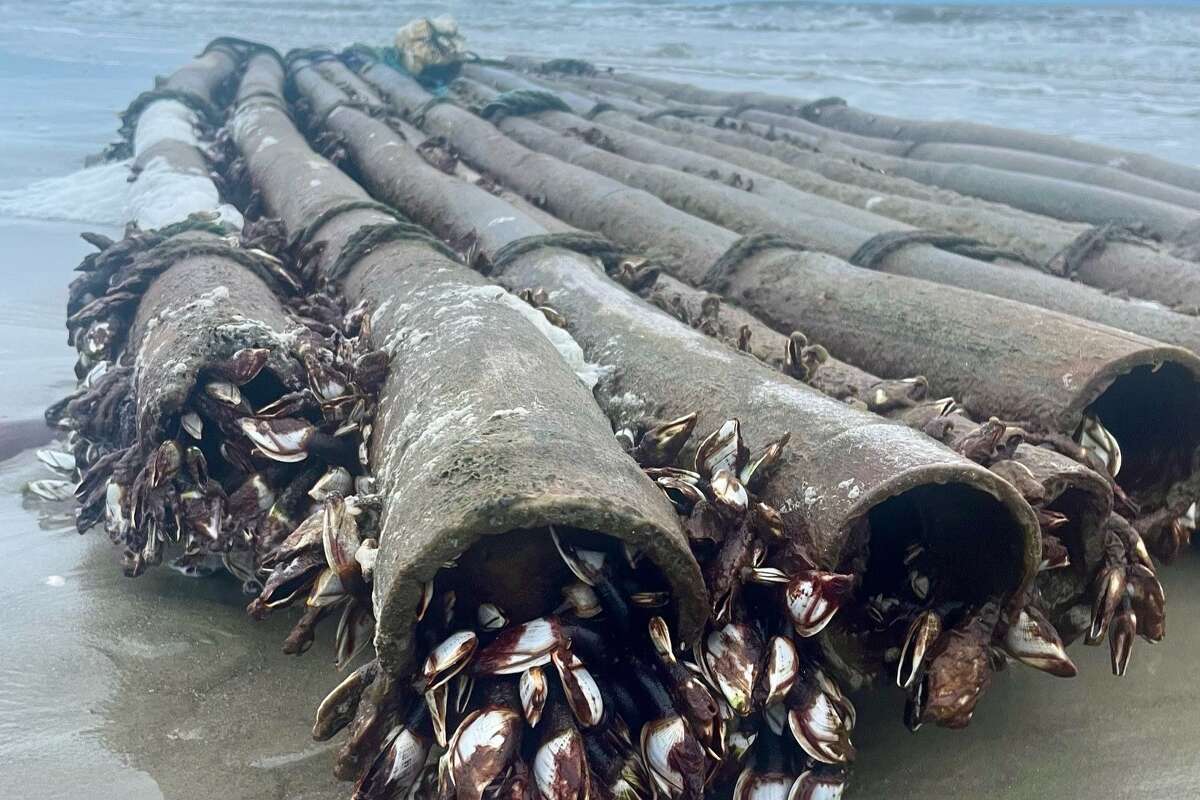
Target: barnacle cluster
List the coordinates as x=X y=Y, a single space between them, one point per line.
x=272 y=422
x=597 y=695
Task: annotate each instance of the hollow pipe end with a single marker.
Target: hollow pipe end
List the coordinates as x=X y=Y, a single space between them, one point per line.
x=423 y=551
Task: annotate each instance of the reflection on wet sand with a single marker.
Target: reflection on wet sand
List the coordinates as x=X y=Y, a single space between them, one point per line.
x=21 y=435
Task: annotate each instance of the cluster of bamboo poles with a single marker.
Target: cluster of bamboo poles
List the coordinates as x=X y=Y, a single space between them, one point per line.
x=631 y=425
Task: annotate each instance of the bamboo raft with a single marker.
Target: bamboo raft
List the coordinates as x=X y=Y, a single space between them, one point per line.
x=625 y=426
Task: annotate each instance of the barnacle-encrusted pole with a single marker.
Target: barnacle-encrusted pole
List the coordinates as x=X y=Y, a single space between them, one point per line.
x=1111 y=257
x=1083 y=540
x=1044 y=371
x=1074 y=503
x=181 y=332
x=198 y=86
x=283 y=181
x=489 y=452
x=852 y=490
x=1083 y=172
x=169 y=157
x=750 y=202
x=1080 y=498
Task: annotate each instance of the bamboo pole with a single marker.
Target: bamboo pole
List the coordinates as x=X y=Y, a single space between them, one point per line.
x=179 y=330
x=1110 y=258
x=748 y=201
x=1078 y=177
x=1065 y=486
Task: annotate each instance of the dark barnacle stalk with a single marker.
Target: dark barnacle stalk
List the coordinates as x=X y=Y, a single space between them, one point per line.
x=534 y=699
x=761 y=584
x=489 y=457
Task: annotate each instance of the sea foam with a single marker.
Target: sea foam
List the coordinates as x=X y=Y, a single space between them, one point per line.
x=94 y=195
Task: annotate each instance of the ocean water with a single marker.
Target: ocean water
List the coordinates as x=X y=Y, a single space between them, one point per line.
x=161 y=687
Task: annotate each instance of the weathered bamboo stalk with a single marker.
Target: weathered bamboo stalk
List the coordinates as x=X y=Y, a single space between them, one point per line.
x=179 y=330
x=1066 y=486
x=1078 y=177
x=836 y=114
x=1110 y=258
x=460 y=453
x=1063 y=485
x=893 y=326
x=1052 y=167
x=170 y=134
x=750 y=202
x=1040 y=194
x=197 y=86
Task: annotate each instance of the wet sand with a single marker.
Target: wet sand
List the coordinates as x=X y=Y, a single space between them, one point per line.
x=161 y=687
